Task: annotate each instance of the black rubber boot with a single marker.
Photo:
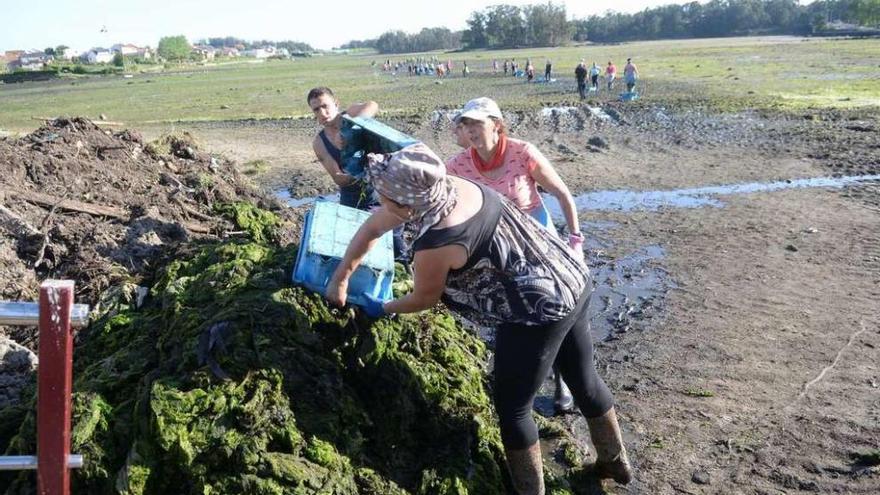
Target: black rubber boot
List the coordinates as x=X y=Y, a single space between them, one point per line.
x=563 y=402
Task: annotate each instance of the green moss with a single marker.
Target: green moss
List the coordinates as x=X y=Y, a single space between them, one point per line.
x=254 y=167
x=869 y=458
x=259 y=224
x=229 y=380
x=698 y=392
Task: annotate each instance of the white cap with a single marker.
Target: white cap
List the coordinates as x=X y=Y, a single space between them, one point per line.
x=480 y=109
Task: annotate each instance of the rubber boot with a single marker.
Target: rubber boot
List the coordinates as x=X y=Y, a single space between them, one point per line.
x=563 y=402
x=611 y=460
x=526 y=470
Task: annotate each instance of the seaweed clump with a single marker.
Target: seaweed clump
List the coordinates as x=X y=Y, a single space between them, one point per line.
x=226 y=379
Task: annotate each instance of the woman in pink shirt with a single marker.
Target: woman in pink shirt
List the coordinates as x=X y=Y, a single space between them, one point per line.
x=512 y=167
x=515 y=169
x=610 y=73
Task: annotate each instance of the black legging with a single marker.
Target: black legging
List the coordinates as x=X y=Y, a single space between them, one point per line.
x=523 y=357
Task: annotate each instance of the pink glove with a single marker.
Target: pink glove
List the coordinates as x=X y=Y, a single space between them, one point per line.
x=576 y=244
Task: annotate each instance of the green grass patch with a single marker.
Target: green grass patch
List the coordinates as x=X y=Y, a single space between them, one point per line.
x=254 y=167
x=697 y=392
x=731 y=73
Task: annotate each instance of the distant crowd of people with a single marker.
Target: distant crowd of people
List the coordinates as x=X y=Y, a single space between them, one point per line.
x=418 y=66
x=424 y=66
x=630 y=76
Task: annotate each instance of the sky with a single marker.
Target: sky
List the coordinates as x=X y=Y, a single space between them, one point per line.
x=84 y=24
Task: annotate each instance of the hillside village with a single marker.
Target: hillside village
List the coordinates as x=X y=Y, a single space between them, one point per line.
x=36 y=60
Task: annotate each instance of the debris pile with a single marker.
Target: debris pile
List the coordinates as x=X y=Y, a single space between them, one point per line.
x=81 y=202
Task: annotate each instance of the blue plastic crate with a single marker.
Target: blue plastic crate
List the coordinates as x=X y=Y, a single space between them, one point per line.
x=629 y=96
x=327 y=232
x=364 y=135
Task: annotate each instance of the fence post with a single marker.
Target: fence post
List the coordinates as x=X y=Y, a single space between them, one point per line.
x=54 y=387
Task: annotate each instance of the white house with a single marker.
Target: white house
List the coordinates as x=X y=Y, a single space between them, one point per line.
x=126 y=49
x=145 y=53
x=98 y=56
x=30 y=61
x=264 y=52
x=73 y=54
x=206 y=52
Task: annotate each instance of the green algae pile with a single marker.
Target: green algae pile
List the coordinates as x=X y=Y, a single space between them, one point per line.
x=229 y=380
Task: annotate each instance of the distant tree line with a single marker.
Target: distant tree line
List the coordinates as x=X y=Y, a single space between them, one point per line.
x=399 y=42
x=510 y=26
x=726 y=18
x=232 y=41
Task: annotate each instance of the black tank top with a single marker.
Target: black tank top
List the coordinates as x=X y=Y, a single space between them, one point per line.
x=358 y=194
x=515 y=272
x=473 y=234
x=335 y=153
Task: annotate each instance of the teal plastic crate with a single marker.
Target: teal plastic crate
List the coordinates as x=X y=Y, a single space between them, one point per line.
x=629 y=96
x=327 y=232
x=363 y=135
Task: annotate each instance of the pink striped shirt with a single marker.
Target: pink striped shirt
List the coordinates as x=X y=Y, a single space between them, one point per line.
x=515 y=183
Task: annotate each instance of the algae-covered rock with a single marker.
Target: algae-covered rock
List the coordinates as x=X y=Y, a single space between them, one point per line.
x=229 y=380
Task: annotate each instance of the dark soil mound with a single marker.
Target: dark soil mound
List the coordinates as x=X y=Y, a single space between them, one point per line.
x=84 y=203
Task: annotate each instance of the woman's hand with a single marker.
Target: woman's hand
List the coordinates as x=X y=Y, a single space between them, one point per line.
x=576 y=244
x=337 y=291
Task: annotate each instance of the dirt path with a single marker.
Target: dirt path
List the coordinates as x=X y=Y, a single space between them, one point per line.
x=784 y=344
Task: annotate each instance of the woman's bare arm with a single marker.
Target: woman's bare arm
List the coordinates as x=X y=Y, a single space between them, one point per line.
x=545 y=175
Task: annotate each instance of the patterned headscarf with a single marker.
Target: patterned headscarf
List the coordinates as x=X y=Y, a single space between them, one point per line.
x=414 y=177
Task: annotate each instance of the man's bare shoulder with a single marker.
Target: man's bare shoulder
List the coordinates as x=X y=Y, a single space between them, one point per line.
x=318 y=145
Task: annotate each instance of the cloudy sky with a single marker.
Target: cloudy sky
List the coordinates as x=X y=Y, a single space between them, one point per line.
x=83 y=24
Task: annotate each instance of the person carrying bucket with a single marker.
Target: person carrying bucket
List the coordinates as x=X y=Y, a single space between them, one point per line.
x=490 y=262
x=328 y=144
x=530 y=70
x=630 y=74
x=610 y=74
x=595 y=72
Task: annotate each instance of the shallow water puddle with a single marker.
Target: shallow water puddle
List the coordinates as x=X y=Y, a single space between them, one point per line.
x=625 y=200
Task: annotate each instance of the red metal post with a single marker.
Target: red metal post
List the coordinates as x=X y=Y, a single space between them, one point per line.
x=55 y=383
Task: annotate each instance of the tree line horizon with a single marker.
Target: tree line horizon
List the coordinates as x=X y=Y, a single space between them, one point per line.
x=546 y=25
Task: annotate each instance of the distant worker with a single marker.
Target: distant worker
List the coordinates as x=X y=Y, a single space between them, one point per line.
x=630 y=74
x=495 y=66
x=530 y=70
x=595 y=72
x=506 y=66
x=580 y=75
x=464 y=69
x=548 y=69
x=610 y=73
